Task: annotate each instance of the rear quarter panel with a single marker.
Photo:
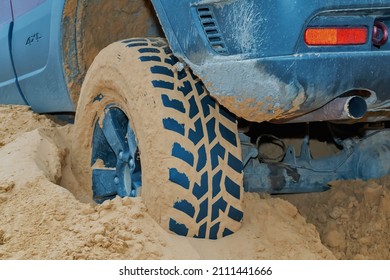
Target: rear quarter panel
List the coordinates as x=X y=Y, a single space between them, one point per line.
x=267 y=72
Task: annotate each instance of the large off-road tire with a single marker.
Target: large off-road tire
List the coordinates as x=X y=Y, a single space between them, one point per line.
x=189 y=151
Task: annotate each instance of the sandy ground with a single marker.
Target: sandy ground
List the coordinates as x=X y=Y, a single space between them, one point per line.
x=40 y=218
x=353 y=218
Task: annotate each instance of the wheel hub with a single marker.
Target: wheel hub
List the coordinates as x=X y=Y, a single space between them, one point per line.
x=116 y=167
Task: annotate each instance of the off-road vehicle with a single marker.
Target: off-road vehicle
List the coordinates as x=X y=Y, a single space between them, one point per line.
x=189 y=102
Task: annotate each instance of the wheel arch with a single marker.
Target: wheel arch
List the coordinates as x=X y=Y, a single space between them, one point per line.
x=90 y=25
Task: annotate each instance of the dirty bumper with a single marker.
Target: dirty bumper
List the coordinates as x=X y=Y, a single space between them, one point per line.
x=281 y=88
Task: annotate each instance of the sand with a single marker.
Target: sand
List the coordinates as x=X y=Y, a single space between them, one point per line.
x=353 y=218
x=40 y=218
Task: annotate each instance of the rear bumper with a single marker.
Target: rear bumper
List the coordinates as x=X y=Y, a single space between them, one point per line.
x=252 y=57
x=284 y=87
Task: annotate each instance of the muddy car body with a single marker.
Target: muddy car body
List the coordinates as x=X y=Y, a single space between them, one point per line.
x=262 y=61
x=260 y=43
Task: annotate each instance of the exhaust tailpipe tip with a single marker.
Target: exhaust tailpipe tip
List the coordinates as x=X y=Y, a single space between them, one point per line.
x=356 y=107
x=341 y=108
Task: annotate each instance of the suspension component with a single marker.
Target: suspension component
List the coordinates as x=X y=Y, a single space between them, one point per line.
x=364 y=158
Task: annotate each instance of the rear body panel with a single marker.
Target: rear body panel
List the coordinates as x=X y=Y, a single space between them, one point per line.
x=252 y=56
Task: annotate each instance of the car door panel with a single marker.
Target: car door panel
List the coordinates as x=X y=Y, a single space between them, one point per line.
x=31 y=37
x=9 y=92
x=36 y=49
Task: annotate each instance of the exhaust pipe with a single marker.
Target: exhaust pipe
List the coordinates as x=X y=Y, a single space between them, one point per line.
x=342 y=108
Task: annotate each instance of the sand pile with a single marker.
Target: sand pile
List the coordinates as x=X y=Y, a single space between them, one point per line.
x=353 y=218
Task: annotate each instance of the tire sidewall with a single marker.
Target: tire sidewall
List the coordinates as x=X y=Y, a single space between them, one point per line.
x=114 y=85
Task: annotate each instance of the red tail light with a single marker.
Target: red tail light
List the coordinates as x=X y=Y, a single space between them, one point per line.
x=335 y=36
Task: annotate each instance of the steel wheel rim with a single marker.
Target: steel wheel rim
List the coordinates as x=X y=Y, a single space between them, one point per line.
x=115 y=162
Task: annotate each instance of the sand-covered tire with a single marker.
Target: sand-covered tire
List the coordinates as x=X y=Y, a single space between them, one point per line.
x=189 y=151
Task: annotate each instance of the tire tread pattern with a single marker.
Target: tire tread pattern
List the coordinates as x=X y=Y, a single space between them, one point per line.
x=206 y=142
